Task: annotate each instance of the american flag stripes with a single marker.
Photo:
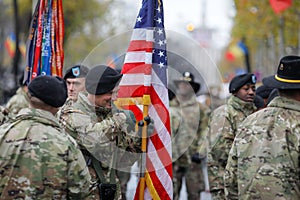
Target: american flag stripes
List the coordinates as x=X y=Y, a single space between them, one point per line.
x=145 y=77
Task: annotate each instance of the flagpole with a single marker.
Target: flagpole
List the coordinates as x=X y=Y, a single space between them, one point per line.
x=146 y=103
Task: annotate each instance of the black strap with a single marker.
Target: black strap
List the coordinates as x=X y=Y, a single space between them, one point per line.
x=99 y=171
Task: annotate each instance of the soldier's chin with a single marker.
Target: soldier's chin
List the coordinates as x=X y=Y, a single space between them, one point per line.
x=250 y=99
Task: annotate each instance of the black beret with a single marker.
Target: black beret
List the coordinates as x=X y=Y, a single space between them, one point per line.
x=239 y=81
x=259 y=102
x=263 y=91
x=50 y=89
x=77 y=71
x=101 y=79
x=287 y=76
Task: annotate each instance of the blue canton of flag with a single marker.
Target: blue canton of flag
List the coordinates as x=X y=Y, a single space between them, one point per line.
x=154 y=20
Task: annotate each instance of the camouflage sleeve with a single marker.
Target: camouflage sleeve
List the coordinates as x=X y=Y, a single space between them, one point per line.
x=79 y=179
x=175 y=125
x=93 y=136
x=223 y=142
x=202 y=143
x=230 y=175
x=218 y=155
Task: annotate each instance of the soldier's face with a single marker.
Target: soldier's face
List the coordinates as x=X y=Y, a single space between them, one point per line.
x=105 y=100
x=184 y=88
x=75 y=85
x=246 y=93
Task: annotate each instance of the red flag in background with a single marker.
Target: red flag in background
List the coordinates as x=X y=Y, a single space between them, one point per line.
x=145 y=78
x=280 y=5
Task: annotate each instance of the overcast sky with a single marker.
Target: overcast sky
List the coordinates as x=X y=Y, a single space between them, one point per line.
x=180 y=13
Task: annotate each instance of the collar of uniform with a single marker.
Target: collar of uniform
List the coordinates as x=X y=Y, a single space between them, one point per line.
x=239 y=104
x=285 y=103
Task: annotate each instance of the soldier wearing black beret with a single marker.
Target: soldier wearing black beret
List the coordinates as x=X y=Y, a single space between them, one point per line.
x=49 y=89
x=75 y=79
x=264 y=159
x=99 y=130
x=223 y=125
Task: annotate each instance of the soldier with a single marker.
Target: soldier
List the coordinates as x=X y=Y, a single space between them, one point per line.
x=38 y=160
x=223 y=126
x=188 y=120
x=75 y=79
x=100 y=131
x=264 y=160
x=2 y=115
x=18 y=101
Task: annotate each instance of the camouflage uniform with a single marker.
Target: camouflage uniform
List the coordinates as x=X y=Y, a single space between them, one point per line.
x=96 y=132
x=38 y=160
x=17 y=102
x=264 y=160
x=225 y=121
x=187 y=123
x=2 y=115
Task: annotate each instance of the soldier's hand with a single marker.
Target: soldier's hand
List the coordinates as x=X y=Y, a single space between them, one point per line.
x=130 y=120
x=120 y=118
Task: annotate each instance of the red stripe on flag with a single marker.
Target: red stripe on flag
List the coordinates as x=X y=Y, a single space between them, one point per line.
x=140 y=45
x=131 y=91
x=163 y=194
x=162 y=152
x=161 y=108
x=136 y=68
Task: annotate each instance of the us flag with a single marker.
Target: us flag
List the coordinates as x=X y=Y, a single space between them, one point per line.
x=143 y=89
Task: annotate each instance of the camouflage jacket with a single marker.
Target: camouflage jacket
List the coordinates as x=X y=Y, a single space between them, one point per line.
x=188 y=121
x=225 y=121
x=264 y=160
x=38 y=160
x=99 y=135
x=17 y=102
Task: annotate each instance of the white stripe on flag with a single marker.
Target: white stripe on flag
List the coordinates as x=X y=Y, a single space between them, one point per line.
x=138 y=57
x=142 y=34
x=135 y=79
x=161 y=129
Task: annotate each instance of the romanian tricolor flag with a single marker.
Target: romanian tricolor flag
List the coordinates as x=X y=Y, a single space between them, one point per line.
x=143 y=89
x=45 y=53
x=10 y=45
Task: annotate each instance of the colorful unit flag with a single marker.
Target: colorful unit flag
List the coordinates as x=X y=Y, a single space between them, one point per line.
x=10 y=45
x=45 y=53
x=280 y=5
x=145 y=78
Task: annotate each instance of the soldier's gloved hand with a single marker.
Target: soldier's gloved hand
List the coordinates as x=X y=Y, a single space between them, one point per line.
x=119 y=118
x=196 y=158
x=150 y=126
x=130 y=121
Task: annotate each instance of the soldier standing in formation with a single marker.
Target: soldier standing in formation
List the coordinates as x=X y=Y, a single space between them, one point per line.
x=38 y=160
x=75 y=80
x=264 y=160
x=100 y=132
x=188 y=120
x=223 y=126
